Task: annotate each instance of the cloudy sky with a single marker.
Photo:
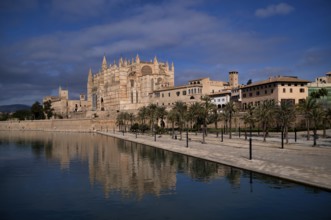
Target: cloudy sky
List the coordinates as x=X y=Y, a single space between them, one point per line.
x=50 y=43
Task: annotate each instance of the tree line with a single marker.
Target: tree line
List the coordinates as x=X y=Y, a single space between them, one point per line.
x=36 y=112
x=266 y=117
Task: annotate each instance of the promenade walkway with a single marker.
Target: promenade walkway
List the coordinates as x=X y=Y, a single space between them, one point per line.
x=300 y=161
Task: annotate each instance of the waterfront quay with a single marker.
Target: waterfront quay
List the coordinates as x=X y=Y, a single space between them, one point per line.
x=298 y=161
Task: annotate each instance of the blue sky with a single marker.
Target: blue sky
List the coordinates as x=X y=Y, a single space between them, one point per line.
x=48 y=43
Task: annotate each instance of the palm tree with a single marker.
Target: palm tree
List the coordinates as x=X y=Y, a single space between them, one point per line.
x=161 y=114
x=248 y=118
x=142 y=114
x=172 y=116
x=207 y=107
x=306 y=107
x=120 y=120
x=194 y=112
x=131 y=118
x=264 y=114
x=285 y=114
x=151 y=114
x=316 y=115
x=215 y=117
x=181 y=110
x=230 y=108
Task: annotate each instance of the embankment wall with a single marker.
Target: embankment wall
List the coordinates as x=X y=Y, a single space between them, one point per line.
x=75 y=125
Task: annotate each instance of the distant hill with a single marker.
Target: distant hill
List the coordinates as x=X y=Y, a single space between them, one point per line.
x=13 y=108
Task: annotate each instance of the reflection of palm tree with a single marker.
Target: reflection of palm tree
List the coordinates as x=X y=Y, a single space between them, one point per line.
x=306 y=107
x=264 y=114
x=285 y=114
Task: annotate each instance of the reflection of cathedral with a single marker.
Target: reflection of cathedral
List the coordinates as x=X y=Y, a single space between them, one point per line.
x=128 y=84
x=132 y=169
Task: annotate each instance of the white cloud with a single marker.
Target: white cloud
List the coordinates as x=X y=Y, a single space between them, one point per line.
x=272 y=10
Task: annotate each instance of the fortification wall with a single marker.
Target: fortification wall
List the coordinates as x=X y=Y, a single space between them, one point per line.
x=75 y=125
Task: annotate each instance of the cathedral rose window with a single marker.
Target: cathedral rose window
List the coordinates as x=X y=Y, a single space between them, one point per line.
x=146 y=70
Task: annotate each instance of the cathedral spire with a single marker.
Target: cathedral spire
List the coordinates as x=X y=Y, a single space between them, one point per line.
x=137 y=59
x=89 y=75
x=172 y=66
x=104 y=63
x=155 y=60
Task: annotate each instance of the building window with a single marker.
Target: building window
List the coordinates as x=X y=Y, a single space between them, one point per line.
x=258 y=93
x=289 y=84
x=178 y=93
x=272 y=90
x=162 y=95
x=244 y=95
x=282 y=84
x=169 y=94
x=265 y=92
x=287 y=101
x=284 y=90
x=250 y=94
x=184 y=92
x=302 y=90
x=291 y=90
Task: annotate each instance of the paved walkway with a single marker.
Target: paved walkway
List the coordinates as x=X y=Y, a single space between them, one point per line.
x=298 y=161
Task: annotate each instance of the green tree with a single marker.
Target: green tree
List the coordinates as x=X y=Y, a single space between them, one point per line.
x=207 y=107
x=231 y=109
x=181 y=110
x=48 y=110
x=4 y=116
x=319 y=93
x=306 y=107
x=215 y=117
x=316 y=115
x=120 y=121
x=142 y=114
x=194 y=114
x=249 y=118
x=161 y=113
x=264 y=114
x=132 y=117
x=22 y=114
x=152 y=115
x=285 y=115
x=172 y=116
x=37 y=111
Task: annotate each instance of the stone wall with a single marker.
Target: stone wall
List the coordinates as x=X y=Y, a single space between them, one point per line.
x=76 y=125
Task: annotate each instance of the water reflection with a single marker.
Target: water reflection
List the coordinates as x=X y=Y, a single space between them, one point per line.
x=131 y=169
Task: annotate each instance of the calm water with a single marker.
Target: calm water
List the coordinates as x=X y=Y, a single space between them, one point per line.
x=86 y=176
